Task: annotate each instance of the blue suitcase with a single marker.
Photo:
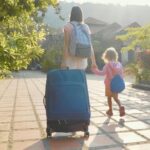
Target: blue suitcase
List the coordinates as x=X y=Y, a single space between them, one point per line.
x=67 y=101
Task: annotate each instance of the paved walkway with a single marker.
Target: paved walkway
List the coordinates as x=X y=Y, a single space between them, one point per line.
x=23 y=120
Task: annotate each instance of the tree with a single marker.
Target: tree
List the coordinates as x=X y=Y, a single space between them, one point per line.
x=136 y=36
x=20 y=32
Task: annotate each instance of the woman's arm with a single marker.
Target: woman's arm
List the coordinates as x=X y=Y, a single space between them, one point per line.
x=99 y=72
x=65 y=49
x=93 y=60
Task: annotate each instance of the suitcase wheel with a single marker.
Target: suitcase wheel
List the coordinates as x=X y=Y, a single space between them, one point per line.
x=86 y=134
x=49 y=133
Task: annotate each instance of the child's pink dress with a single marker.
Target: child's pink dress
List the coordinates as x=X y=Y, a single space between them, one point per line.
x=109 y=70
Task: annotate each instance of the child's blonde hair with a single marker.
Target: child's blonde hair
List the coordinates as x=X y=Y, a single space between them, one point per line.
x=110 y=54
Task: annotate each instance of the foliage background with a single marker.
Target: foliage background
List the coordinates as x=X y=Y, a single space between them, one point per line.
x=21 y=30
x=138 y=37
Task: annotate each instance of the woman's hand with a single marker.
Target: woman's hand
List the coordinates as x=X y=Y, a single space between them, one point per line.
x=63 y=66
x=94 y=69
x=94 y=65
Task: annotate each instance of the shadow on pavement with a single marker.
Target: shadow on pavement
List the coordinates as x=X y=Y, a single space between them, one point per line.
x=106 y=140
x=37 y=145
x=112 y=130
x=58 y=143
x=29 y=74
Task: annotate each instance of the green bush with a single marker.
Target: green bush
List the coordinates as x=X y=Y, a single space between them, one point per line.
x=145 y=76
x=141 y=74
x=145 y=59
x=20 y=32
x=51 y=60
x=5 y=74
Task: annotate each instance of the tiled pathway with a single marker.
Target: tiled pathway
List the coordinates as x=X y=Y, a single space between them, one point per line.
x=23 y=119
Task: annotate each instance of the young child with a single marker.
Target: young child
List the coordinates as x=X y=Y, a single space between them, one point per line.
x=110 y=57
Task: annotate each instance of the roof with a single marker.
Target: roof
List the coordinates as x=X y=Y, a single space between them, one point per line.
x=94 y=21
x=109 y=31
x=132 y=25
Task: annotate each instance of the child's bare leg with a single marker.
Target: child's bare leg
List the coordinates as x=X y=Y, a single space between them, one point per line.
x=109 y=100
x=121 y=108
x=109 y=111
x=115 y=96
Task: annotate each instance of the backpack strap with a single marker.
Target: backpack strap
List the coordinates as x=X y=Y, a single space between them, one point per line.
x=74 y=27
x=112 y=69
x=84 y=31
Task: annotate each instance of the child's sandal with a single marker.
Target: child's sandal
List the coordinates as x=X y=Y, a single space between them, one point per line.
x=109 y=113
x=122 y=111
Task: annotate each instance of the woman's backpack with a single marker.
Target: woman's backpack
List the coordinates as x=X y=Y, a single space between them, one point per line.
x=80 y=41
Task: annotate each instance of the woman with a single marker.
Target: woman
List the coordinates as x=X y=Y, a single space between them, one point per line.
x=74 y=62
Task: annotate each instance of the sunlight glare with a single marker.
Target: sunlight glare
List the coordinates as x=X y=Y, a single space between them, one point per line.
x=116 y=2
